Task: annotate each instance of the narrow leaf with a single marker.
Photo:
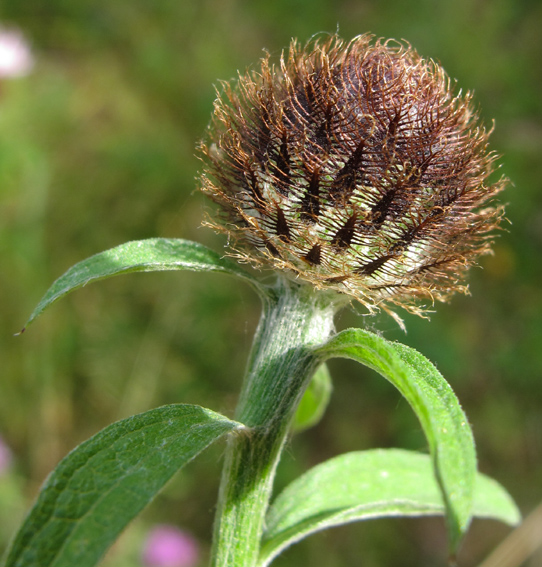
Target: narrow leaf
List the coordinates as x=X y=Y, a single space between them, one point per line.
x=365 y=485
x=315 y=400
x=152 y=255
x=445 y=425
x=106 y=481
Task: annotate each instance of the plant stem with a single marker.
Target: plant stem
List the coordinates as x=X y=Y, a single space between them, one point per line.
x=294 y=320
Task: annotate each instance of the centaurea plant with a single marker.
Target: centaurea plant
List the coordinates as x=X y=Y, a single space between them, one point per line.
x=352 y=173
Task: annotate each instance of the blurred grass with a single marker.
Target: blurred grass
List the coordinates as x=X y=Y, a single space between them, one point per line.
x=97 y=148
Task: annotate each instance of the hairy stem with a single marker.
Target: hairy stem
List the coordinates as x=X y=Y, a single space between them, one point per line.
x=294 y=320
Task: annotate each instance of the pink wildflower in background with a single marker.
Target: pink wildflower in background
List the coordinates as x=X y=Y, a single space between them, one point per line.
x=168 y=546
x=15 y=56
x=5 y=457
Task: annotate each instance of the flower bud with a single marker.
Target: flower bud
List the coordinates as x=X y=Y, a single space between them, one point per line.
x=353 y=166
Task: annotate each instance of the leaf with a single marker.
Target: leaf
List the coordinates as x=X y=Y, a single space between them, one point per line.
x=445 y=425
x=106 y=481
x=365 y=485
x=152 y=255
x=315 y=400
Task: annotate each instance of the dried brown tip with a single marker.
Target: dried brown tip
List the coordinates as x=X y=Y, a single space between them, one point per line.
x=353 y=166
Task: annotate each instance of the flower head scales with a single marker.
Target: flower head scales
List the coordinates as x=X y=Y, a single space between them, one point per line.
x=353 y=166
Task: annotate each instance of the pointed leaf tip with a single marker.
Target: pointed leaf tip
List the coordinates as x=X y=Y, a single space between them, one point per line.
x=151 y=255
x=365 y=485
x=444 y=423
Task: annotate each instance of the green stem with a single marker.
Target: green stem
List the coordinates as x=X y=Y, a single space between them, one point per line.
x=294 y=320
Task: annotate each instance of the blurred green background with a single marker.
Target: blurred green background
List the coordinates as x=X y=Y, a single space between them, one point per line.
x=97 y=148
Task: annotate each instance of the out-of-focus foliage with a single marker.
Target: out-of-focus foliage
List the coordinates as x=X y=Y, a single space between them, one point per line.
x=97 y=148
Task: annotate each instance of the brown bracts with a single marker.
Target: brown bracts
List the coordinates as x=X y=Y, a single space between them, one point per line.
x=353 y=166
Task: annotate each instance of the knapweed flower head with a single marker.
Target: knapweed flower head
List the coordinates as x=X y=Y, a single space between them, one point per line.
x=16 y=59
x=6 y=457
x=168 y=546
x=353 y=166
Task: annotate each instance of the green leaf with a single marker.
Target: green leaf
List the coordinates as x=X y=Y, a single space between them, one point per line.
x=315 y=400
x=106 y=481
x=445 y=425
x=365 y=485
x=152 y=255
